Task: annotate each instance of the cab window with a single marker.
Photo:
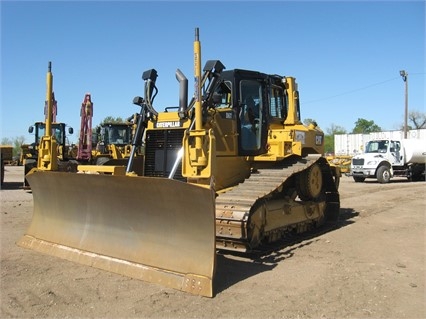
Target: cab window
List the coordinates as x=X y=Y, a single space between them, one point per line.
x=223 y=98
x=277 y=103
x=251 y=114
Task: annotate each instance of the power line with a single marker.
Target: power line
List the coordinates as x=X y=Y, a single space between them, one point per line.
x=359 y=89
x=352 y=91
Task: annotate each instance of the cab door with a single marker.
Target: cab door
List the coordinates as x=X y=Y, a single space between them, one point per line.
x=252 y=117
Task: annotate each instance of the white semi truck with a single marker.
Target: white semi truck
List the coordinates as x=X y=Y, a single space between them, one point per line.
x=386 y=158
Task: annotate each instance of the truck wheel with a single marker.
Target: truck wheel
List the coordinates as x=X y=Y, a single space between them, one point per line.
x=358 y=179
x=416 y=173
x=416 y=178
x=383 y=174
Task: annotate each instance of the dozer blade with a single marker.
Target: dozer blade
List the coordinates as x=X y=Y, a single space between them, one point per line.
x=153 y=229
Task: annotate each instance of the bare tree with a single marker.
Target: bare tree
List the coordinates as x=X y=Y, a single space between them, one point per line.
x=418 y=119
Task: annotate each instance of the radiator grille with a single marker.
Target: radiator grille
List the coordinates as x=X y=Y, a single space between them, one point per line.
x=357 y=161
x=161 y=151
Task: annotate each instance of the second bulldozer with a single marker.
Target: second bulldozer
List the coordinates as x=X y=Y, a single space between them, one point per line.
x=233 y=169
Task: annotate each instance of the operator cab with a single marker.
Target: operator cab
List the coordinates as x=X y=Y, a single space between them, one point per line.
x=114 y=133
x=256 y=98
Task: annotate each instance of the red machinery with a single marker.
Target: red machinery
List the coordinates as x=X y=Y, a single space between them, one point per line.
x=84 y=152
x=54 y=108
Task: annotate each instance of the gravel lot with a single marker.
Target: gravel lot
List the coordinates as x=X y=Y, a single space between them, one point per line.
x=371 y=266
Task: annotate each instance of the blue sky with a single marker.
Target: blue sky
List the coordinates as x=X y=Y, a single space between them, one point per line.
x=345 y=55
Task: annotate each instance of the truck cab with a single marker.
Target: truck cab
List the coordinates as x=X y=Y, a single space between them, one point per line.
x=386 y=158
x=377 y=161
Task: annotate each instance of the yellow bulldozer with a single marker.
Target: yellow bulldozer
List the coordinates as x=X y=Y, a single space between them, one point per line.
x=232 y=170
x=342 y=161
x=29 y=156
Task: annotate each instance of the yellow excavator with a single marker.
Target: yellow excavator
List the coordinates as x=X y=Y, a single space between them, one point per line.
x=232 y=170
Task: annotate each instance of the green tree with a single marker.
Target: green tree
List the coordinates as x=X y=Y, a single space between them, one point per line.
x=110 y=119
x=308 y=121
x=16 y=142
x=329 y=137
x=364 y=126
x=335 y=129
x=6 y=141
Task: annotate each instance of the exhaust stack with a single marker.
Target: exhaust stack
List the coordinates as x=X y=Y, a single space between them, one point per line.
x=183 y=91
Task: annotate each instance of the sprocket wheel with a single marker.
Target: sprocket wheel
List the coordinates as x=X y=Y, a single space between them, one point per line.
x=309 y=183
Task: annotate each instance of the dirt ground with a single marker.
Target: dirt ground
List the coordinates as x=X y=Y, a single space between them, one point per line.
x=371 y=266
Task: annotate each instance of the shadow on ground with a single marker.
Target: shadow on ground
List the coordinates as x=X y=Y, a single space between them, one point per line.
x=232 y=268
x=11 y=185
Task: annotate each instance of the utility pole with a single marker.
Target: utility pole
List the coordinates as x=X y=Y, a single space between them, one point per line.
x=405 y=79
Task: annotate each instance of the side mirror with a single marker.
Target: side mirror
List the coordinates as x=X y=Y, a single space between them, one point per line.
x=31 y=129
x=70 y=130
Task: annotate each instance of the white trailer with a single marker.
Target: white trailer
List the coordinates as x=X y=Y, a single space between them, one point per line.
x=353 y=144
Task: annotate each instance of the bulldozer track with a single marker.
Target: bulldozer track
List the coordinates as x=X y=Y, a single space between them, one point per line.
x=233 y=208
x=290 y=239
